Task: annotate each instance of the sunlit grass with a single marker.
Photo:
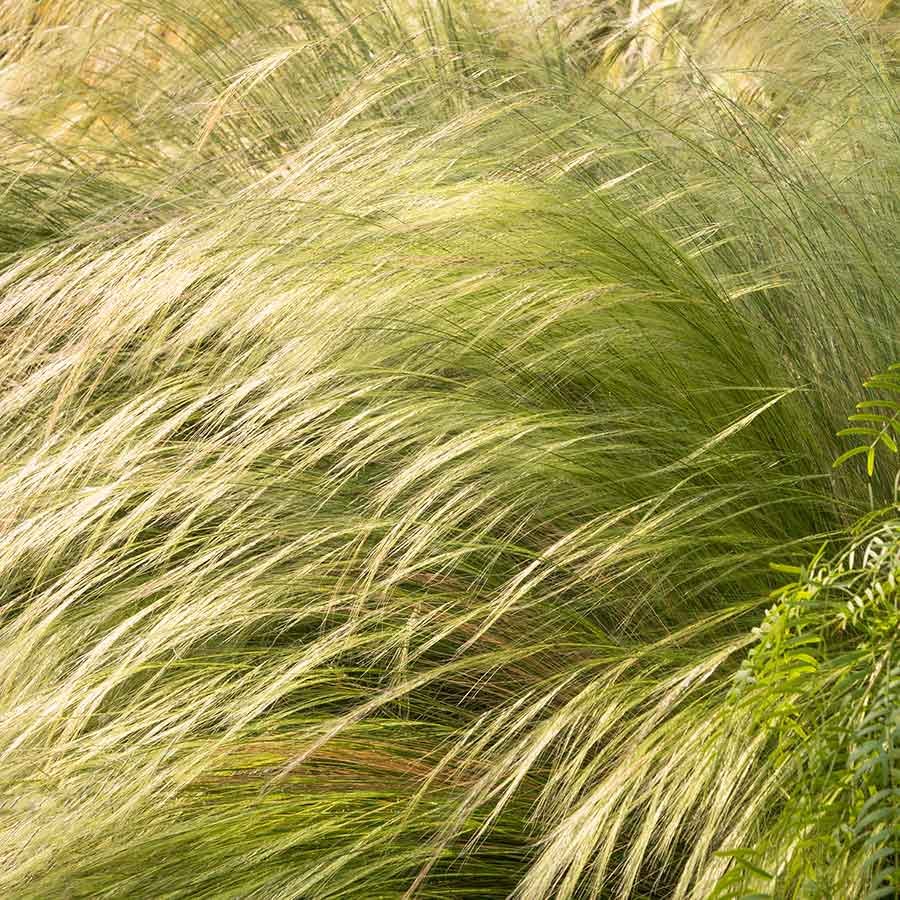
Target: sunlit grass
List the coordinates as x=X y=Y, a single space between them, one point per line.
x=404 y=409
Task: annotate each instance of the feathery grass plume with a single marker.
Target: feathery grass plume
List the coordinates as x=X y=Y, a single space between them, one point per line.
x=405 y=405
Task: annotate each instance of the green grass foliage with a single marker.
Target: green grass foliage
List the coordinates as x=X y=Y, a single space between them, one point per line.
x=419 y=426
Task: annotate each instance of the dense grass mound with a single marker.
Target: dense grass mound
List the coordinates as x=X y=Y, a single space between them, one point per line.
x=418 y=450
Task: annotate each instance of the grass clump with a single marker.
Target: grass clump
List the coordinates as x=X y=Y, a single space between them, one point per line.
x=406 y=405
